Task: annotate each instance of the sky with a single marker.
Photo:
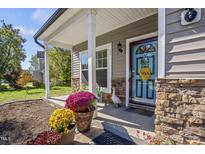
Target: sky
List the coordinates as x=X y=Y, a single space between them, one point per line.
x=28 y=21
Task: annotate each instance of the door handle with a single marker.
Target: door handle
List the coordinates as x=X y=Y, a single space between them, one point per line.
x=133 y=73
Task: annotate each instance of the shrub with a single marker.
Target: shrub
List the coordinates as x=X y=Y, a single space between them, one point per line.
x=62 y=120
x=81 y=102
x=38 y=84
x=3 y=88
x=46 y=138
x=11 y=78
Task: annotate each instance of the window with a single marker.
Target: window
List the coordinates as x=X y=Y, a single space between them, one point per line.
x=103 y=69
x=84 y=69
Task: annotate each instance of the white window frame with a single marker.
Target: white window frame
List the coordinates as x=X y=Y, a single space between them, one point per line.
x=107 y=47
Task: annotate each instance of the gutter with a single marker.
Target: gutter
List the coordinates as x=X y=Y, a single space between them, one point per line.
x=40 y=44
x=47 y=24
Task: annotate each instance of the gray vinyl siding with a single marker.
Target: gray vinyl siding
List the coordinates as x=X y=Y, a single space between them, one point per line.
x=75 y=65
x=185 y=47
x=141 y=27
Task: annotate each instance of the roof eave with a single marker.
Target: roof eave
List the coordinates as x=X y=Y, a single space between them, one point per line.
x=50 y=21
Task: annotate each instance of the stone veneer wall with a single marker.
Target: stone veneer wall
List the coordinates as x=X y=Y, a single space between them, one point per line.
x=75 y=84
x=180 y=110
x=120 y=87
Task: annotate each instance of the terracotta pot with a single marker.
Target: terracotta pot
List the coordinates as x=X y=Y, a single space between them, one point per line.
x=84 y=120
x=68 y=138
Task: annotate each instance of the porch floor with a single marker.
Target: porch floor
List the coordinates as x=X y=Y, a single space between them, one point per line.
x=119 y=121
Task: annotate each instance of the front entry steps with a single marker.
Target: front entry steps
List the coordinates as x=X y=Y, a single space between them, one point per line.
x=142 y=106
x=109 y=138
x=122 y=132
x=126 y=124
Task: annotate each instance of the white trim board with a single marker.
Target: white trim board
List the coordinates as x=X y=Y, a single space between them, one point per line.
x=161 y=42
x=109 y=62
x=128 y=41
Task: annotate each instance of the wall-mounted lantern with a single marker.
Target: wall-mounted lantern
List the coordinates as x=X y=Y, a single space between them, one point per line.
x=190 y=15
x=120 y=48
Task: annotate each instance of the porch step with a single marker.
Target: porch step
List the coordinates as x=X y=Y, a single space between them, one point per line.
x=122 y=132
x=59 y=103
x=142 y=106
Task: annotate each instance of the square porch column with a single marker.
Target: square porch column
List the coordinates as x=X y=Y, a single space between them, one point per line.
x=92 y=51
x=46 y=75
x=161 y=41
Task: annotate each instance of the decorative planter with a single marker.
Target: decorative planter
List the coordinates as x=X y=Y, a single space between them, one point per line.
x=68 y=138
x=95 y=114
x=84 y=120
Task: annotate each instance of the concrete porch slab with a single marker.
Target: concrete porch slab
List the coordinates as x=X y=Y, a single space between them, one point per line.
x=60 y=100
x=119 y=121
x=123 y=123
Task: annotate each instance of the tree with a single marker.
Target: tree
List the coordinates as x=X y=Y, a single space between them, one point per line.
x=24 y=78
x=11 y=53
x=34 y=63
x=60 y=66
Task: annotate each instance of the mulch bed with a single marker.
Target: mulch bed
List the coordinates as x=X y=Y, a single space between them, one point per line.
x=21 y=121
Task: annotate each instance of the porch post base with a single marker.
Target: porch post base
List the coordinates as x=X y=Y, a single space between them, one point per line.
x=180 y=109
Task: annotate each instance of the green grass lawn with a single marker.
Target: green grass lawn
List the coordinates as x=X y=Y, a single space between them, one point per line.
x=32 y=93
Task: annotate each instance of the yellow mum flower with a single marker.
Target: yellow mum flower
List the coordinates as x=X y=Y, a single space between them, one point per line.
x=62 y=120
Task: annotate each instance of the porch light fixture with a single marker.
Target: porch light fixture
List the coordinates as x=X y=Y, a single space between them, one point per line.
x=120 y=48
x=190 y=16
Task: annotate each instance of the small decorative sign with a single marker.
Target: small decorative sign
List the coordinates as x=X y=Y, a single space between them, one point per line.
x=190 y=16
x=145 y=73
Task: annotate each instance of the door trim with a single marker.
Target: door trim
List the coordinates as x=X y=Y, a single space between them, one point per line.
x=128 y=41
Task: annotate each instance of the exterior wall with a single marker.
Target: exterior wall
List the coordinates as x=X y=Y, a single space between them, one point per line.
x=185 y=45
x=38 y=75
x=180 y=104
x=42 y=64
x=120 y=87
x=180 y=110
x=75 y=65
x=141 y=27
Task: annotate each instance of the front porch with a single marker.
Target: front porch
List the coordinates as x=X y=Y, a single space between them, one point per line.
x=100 y=40
x=122 y=121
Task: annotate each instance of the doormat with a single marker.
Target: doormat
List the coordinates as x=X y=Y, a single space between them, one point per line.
x=141 y=111
x=108 y=138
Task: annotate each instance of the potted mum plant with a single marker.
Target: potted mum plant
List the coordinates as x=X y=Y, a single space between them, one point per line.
x=63 y=122
x=83 y=103
x=46 y=138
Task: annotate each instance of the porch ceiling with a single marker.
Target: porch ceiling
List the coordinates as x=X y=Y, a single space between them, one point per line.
x=71 y=27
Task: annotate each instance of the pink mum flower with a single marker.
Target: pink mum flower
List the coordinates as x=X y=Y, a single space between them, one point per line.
x=81 y=101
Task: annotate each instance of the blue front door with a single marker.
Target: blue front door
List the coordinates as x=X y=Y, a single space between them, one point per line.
x=144 y=70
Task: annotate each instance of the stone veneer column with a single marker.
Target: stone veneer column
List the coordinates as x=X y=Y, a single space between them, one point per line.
x=75 y=84
x=120 y=87
x=180 y=110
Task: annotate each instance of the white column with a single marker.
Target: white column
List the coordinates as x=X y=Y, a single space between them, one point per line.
x=92 y=51
x=161 y=42
x=46 y=75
